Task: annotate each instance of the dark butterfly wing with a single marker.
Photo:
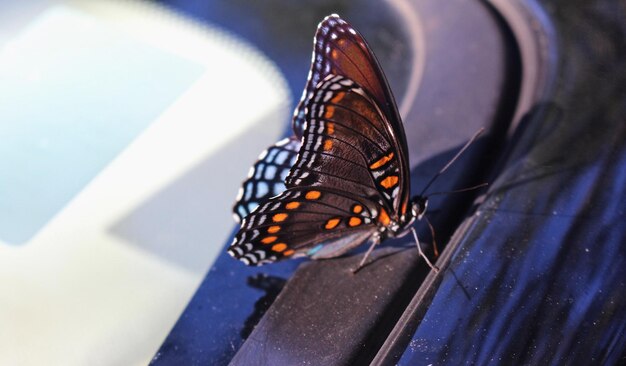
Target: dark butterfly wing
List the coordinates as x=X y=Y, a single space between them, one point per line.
x=349 y=144
x=341 y=50
x=266 y=178
x=319 y=222
x=344 y=184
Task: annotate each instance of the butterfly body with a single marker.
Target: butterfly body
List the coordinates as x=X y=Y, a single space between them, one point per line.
x=349 y=177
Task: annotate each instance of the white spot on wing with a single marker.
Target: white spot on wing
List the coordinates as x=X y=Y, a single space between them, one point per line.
x=318 y=143
x=283 y=142
x=346 y=82
x=395 y=192
x=251 y=257
x=310 y=164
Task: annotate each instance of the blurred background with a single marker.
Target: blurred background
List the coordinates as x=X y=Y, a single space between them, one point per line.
x=123 y=141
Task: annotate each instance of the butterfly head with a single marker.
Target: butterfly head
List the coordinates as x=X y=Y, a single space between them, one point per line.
x=403 y=226
x=419 y=204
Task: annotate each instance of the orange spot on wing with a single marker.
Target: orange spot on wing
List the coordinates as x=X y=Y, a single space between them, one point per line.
x=382 y=161
x=313 y=195
x=334 y=54
x=268 y=240
x=328 y=144
x=279 y=217
x=331 y=224
x=354 y=221
x=404 y=207
x=383 y=217
x=273 y=229
x=389 y=182
x=279 y=247
x=288 y=252
x=357 y=209
x=330 y=110
x=292 y=205
x=330 y=128
x=341 y=42
x=339 y=96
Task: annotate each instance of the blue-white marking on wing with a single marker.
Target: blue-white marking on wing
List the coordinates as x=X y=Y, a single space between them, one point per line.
x=270 y=172
x=266 y=178
x=262 y=189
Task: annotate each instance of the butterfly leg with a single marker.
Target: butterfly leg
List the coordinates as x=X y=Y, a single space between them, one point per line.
x=432 y=235
x=375 y=242
x=419 y=249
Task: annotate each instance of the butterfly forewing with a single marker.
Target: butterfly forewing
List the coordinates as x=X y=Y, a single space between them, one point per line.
x=266 y=178
x=346 y=145
x=341 y=50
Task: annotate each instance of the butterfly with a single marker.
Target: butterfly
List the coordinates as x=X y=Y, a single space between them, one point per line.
x=343 y=178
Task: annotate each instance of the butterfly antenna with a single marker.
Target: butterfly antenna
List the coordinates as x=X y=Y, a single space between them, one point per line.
x=419 y=249
x=458 y=154
x=460 y=190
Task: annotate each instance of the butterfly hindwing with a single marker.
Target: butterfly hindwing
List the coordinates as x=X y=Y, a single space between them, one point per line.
x=266 y=178
x=304 y=221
